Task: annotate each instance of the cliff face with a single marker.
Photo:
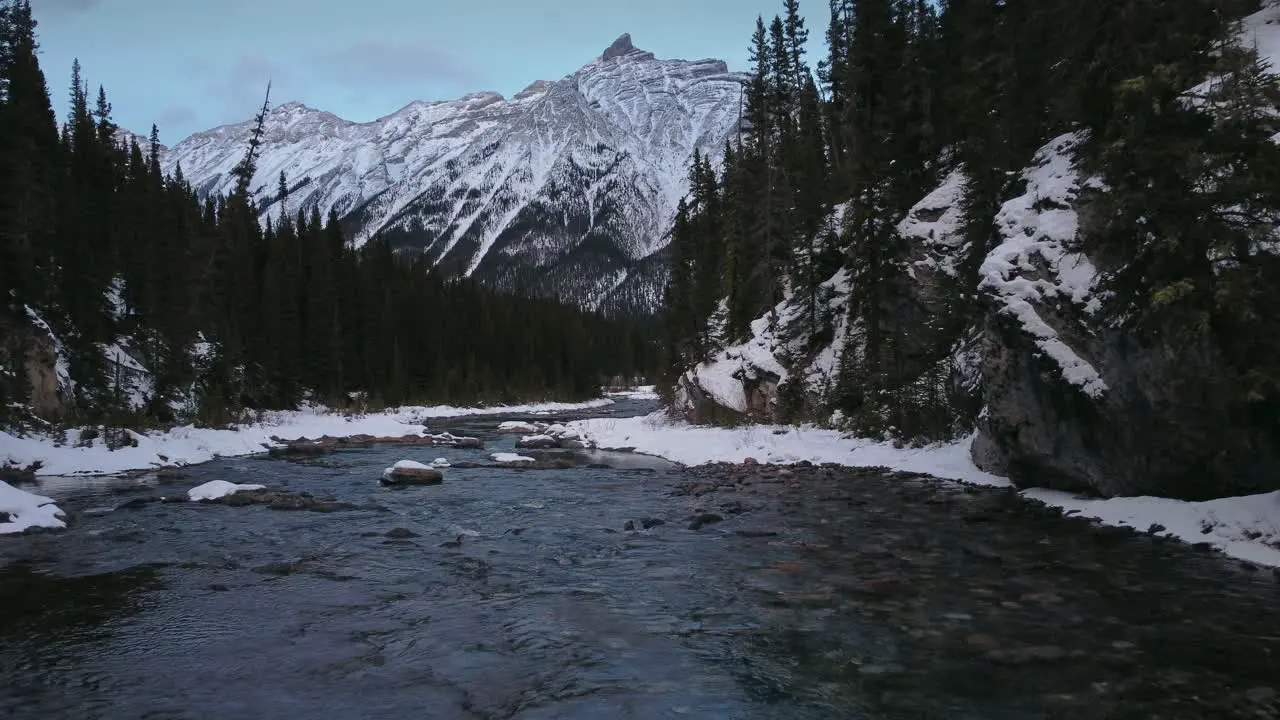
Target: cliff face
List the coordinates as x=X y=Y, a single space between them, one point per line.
x=1053 y=393
x=29 y=368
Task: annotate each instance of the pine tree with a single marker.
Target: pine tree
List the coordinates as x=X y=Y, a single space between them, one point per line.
x=29 y=162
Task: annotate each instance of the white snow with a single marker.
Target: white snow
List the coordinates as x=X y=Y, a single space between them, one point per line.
x=1246 y=527
x=821 y=375
x=941 y=237
x=687 y=444
x=188 y=444
x=26 y=511
x=1040 y=226
x=517 y=426
x=536 y=439
x=1261 y=30
x=504 y=457
x=721 y=377
x=405 y=465
x=640 y=392
x=215 y=489
x=408 y=465
x=441 y=463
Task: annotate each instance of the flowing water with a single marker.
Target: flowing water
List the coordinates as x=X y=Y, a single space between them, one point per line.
x=542 y=594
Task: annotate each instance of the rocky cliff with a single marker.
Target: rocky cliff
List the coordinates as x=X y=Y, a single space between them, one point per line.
x=1051 y=393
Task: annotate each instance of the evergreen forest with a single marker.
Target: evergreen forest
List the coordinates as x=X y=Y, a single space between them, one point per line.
x=1179 y=122
x=166 y=306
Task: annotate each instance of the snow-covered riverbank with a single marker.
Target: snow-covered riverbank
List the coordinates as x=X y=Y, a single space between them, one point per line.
x=1247 y=528
x=188 y=445
x=21 y=511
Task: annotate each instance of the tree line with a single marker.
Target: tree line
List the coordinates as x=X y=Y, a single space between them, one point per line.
x=227 y=314
x=832 y=156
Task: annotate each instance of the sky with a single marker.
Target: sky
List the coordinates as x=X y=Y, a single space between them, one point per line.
x=189 y=65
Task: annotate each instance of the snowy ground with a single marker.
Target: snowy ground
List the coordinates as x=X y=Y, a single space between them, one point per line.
x=640 y=392
x=21 y=511
x=188 y=445
x=699 y=444
x=1246 y=527
x=1243 y=527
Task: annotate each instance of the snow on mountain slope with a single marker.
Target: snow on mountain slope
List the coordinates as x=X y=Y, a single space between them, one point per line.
x=567 y=187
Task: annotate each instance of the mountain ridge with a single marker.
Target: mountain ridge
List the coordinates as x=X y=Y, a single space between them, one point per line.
x=562 y=189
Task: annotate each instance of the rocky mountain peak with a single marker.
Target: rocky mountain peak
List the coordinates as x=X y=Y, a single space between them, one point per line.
x=620 y=47
x=567 y=188
x=623 y=47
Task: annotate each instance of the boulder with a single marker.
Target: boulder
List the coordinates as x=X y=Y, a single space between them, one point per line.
x=409 y=473
x=301 y=448
x=537 y=442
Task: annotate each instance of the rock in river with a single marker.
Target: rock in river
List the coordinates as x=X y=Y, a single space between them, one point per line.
x=408 y=472
x=537 y=442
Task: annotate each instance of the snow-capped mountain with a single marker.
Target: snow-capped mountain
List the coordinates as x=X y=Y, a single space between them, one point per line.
x=568 y=187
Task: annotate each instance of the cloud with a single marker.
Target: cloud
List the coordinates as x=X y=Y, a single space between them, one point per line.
x=181 y=115
x=372 y=63
x=239 y=88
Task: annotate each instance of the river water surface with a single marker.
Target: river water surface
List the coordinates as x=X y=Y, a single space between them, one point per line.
x=542 y=594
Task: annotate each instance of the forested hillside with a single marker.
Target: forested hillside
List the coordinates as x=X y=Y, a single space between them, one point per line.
x=129 y=299
x=1052 y=221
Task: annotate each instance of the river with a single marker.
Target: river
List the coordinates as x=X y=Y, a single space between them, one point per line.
x=541 y=594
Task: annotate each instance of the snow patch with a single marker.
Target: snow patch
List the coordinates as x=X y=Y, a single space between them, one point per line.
x=25 y=511
x=641 y=392
x=722 y=376
x=1246 y=527
x=936 y=221
x=504 y=457
x=1040 y=228
x=687 y=444
x=215 y=489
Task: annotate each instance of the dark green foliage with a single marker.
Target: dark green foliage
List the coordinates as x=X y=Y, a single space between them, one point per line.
x=128 y=264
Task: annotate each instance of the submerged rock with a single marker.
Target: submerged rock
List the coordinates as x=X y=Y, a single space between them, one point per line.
x=703 y=520
x=275 y=499
x=170 y=474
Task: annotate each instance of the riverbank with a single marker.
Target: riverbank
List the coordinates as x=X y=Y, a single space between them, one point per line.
x=1247 y=528
x=82 y=452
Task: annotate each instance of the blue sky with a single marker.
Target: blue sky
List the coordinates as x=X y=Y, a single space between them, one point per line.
x=189 y=65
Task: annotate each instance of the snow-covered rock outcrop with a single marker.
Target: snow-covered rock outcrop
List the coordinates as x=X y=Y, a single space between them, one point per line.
x=569 y=186
x=1061 y=396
